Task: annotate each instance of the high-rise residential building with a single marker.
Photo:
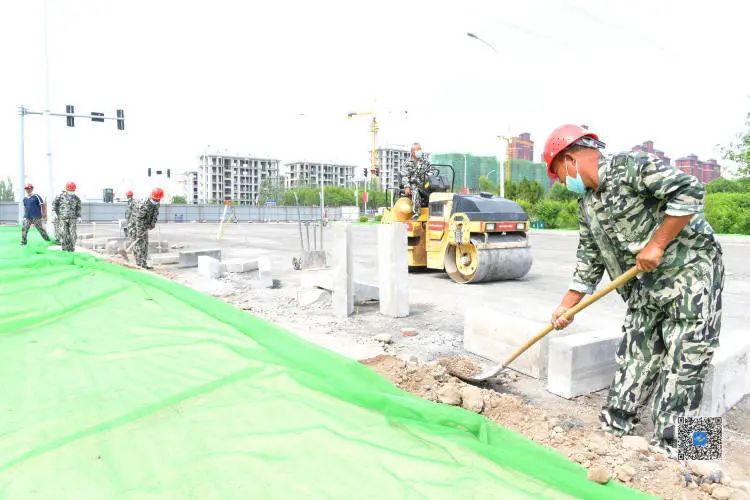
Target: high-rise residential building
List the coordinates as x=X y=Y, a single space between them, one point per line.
x=233 y=177
x=305 y=173
x=648 y=147
x=191 y=187
x=522 y=147
x=390 y=160
x=705 y=171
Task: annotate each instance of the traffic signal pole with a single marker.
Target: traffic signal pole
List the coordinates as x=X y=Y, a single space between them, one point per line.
x=70 y=119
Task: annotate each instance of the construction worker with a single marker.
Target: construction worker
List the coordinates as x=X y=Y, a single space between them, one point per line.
x=635 y=210
x=67 y=209
x=128 y=211
x=144 y=216
x=412 y=178
x=34 y=210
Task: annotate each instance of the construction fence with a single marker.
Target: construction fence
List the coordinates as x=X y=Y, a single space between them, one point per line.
x=101 y=212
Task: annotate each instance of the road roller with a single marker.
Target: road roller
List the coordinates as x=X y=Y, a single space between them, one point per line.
x=473 y=237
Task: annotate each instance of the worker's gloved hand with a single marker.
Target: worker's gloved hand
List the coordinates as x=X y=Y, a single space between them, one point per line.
x=558 y=321
x=407 y=191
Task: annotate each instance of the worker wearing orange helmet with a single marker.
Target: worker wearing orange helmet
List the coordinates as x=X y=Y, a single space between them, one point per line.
x=67 y=209
x=635 y=210
x=143 y=218
x=128 y=210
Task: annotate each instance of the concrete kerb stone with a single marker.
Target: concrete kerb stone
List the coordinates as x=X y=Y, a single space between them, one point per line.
x=393 y=270
x=189 y=258
x=495 y=335
x=208 y=266
x=163 y=259
x=728 y=378
x=585 y=362
x=240 y=265
x=154 y=247
x=324 y=280
x=343 y=283
x=581 y=363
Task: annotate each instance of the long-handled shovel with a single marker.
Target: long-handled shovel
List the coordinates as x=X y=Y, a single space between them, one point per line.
x=493 y=371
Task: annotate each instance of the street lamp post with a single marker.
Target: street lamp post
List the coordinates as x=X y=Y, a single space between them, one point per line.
x=501 y=170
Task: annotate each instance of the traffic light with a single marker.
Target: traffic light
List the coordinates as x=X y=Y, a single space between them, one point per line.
x=149 y=171
x=70 y=111
x=364 y=171
x=168 y=173
x=120 y=119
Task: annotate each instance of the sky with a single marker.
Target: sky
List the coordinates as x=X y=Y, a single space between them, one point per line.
x=277 y=79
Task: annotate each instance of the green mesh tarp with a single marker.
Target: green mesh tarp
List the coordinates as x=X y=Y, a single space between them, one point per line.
x=121 y=384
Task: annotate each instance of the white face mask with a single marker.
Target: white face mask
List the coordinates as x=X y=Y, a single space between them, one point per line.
x=419 y=154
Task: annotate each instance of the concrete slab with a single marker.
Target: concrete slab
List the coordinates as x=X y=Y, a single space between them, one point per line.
x=393 y=270
x=343 y=282
x=241 y=265
x=208 y=266
x=728 y=378
x=189 y=258
x=495 y=335
x=581 y=363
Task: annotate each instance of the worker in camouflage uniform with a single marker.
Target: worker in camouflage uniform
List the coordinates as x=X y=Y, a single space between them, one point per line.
x=412 y=178
x=67 y=209
x=143 y=218
x=637 y=211
x=34 y=211
x=128 y=211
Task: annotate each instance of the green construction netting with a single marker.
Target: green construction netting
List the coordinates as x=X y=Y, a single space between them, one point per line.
x=121 y=384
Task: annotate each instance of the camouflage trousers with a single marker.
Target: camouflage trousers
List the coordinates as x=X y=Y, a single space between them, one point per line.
x=140 y=249
x=670 y=333
x=68 y=235
x=37 y=223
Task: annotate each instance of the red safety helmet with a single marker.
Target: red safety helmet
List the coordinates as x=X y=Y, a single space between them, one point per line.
x=129 y=194
x=560 y=138
x=71 y=186
x=29 y=186
x=157 y=194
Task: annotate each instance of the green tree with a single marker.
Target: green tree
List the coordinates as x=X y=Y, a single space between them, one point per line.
x=179 y=200
x=558 y=192
x=530 y=191
x=739 y=150
x=6 y=190
x=486 y=185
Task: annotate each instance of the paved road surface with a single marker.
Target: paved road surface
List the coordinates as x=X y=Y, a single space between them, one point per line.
x=533 y=297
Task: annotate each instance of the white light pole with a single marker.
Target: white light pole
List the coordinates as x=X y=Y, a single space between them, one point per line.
x=50 y=177
x=21 y=165
x=501 y=170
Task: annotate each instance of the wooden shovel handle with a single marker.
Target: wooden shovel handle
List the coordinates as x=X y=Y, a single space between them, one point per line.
x=570 y=313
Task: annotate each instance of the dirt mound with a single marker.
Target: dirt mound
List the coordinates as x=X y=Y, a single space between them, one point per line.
x=582 y=443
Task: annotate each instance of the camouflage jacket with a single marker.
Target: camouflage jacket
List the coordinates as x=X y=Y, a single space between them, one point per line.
x=67 y=206
x=636 y=190
x=129 y=210
x=143 y=217
x=414 y=172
